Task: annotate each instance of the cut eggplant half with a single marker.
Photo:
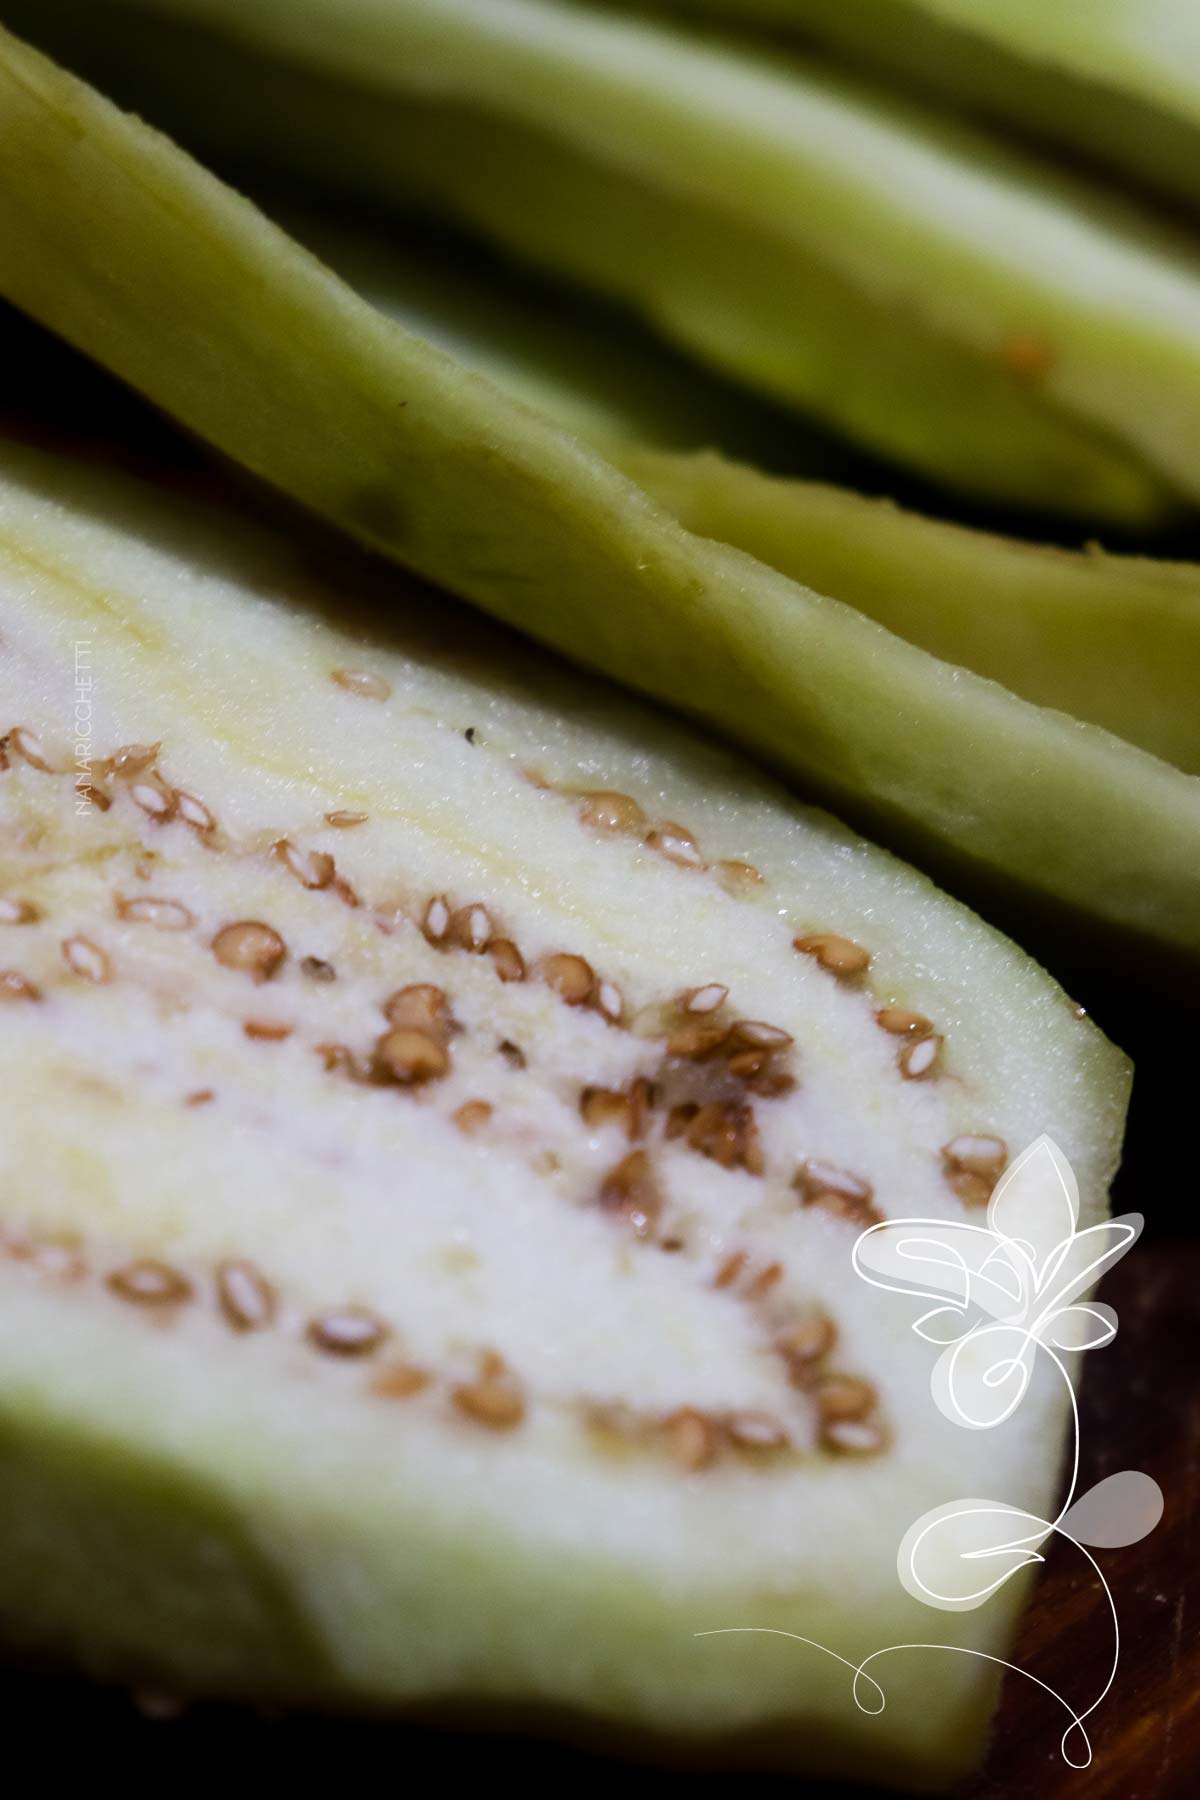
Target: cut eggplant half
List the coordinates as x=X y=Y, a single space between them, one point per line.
x=116 y=240
x=439 y=1100
x=833 y=244
x=1119 y=80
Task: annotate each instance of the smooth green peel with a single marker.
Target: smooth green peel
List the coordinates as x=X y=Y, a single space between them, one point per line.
x=1118 y=79
x=1112 y=640
x=835 y=246
x=118 y=241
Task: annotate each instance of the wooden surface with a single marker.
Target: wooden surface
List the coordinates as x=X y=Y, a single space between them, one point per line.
x=1141 y=1410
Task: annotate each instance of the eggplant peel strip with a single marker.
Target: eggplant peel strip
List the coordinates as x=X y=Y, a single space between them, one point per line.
x=1118 y=79
x=1112 y=640
x=119 y=242
x=834 y=246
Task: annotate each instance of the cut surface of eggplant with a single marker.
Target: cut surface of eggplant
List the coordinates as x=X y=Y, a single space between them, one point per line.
x=431 y=1168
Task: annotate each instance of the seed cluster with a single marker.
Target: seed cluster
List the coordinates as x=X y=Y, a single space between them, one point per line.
x=719 y=1061
x=847 y=1407
x=314 y=869
x=84 y=958
x=748 y=1051
x=695 y=1440
x=607 y=811
x=570 y=976
x=919 y=1058
x=15 y=911
x=631 y=1192
x=412 y=1052
x=973 y=1164
x=628 y=1108
x=363 y=683
x=919 y=1055
x=723 y=1130
x=150 y=1283
x=719 y=1127
x=164 y=915
x=691 y=1437
x=714 y=1068
x=739 y=1274
x=470 y=928
x=135 y=766
x=15 y=986
x=838 y=1192
x=250 y=947
x=248 y=1303
x=494 y=1398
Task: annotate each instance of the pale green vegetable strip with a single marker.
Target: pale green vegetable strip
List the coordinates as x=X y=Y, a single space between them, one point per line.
x=1117 y=78
x=116 y=240
x=840 y=249
x=1111 y=639
x=587 y=365
x=783 y=323
x=1114 y=640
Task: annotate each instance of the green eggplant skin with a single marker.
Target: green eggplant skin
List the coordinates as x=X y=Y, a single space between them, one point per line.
x=1114 y=640
x=121 y=244
x=833 y=245
x=1049 y=626
x=1117 y=79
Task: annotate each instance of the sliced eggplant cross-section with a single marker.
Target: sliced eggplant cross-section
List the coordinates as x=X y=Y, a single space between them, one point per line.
x=440 y=1098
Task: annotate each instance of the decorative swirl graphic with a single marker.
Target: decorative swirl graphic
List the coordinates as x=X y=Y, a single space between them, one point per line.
x=1002 y=1292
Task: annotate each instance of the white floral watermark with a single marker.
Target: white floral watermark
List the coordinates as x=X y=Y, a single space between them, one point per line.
x=1004 y=1292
